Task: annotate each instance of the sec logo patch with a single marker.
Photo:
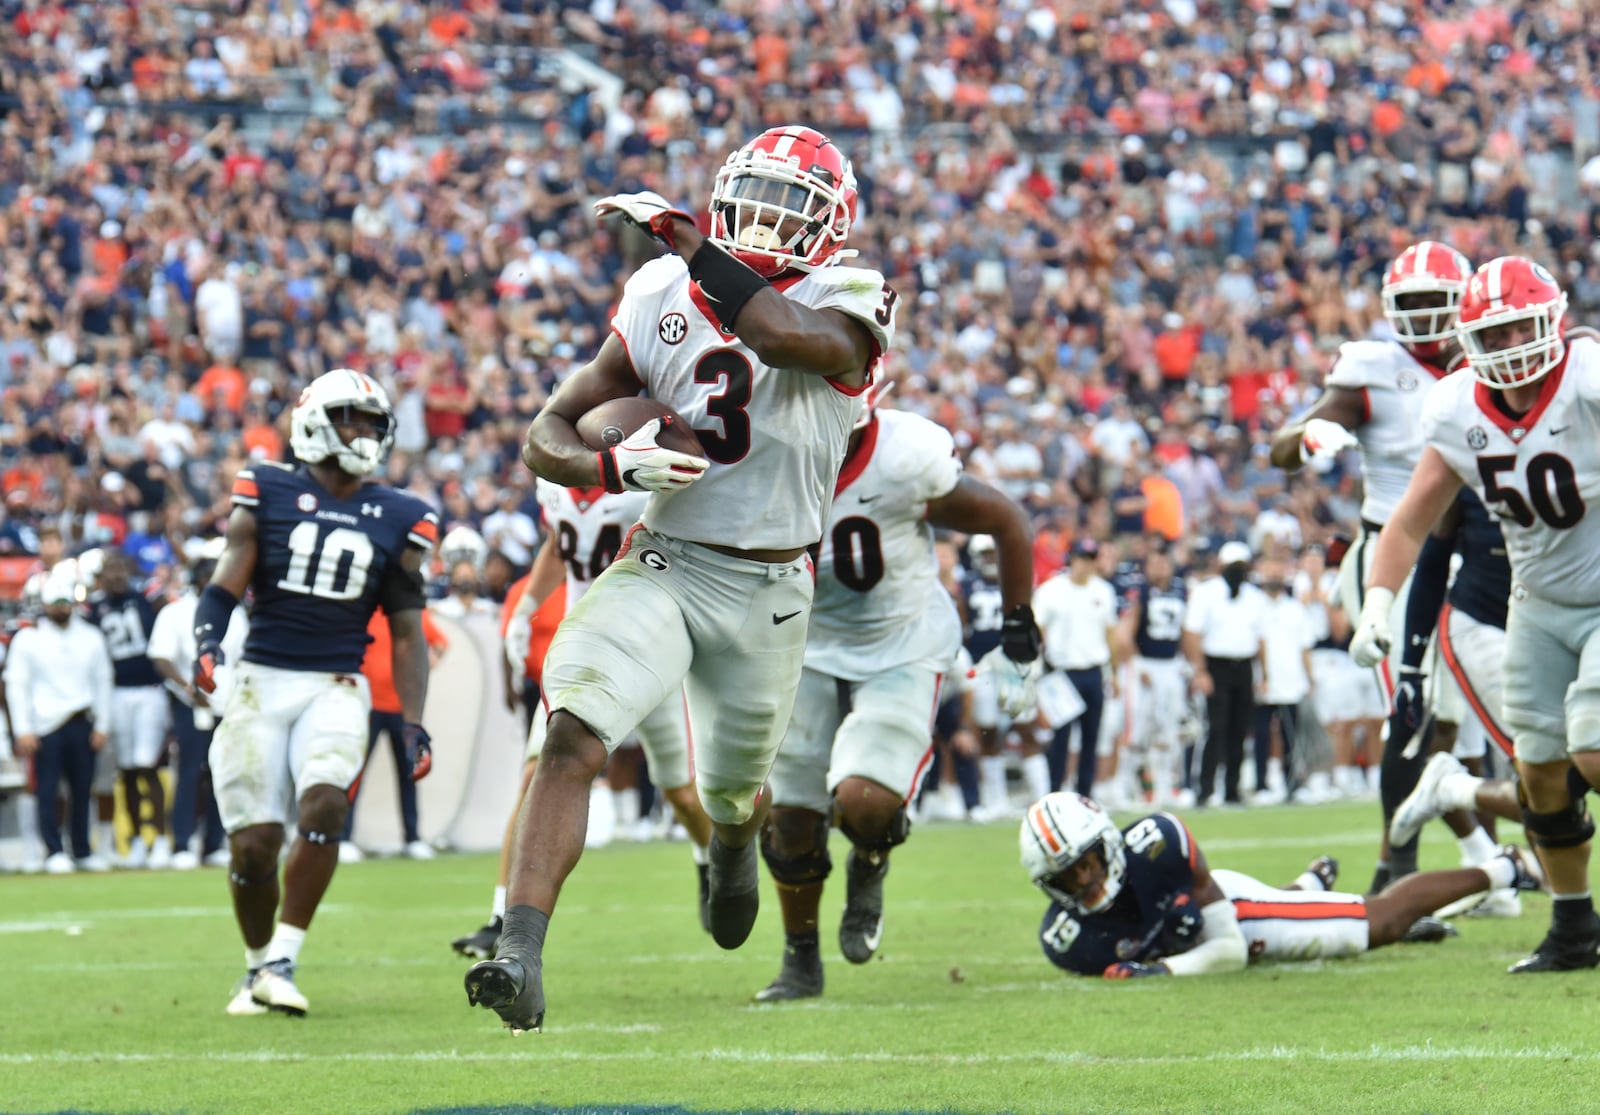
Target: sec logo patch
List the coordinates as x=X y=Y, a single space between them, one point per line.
x=306 y=502
x=674 y=328
x=1477 y=438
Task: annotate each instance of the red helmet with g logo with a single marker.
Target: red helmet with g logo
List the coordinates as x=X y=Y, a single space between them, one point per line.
x=1428 y=267
x=1511 y=321
x=784 y=201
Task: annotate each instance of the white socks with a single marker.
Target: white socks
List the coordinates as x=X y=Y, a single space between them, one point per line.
x=992 y=782
x=701 y=855
x=1500 y=870
x=285 y=943
x=499 y=910
x=1036 y=774
x=254 y=958
x=1476 y=848
x=1458 y=791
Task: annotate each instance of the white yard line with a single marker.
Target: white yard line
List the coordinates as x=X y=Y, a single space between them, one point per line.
x=531 y=1049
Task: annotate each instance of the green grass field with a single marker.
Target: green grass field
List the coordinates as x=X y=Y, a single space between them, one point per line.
x=113 y=987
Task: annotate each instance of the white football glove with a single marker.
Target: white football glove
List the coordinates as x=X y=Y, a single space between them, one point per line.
x=1323 y=440
x=644 y=466
x=649 y=210
x=1014 y=681
x=1373 y=637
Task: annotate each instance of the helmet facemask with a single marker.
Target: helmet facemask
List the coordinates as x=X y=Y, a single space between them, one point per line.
x=775 y=217
x=1502 y=365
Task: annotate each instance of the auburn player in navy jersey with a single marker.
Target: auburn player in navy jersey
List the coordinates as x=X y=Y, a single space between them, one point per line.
x=138 y=727
x=1142 y=901
x=1152 y=624
x=320 y=548
x=983 y=614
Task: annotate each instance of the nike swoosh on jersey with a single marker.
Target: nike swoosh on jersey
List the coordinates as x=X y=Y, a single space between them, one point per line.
x=1556 y=431
x=777 y=619
x=869 y=499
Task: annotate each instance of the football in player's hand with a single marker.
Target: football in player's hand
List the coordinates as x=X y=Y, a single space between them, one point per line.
x=611 y=422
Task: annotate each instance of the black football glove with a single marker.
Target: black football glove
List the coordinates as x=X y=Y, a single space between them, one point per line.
x=1409 y=705
x=420 y=748
x=1181 y=924
x=1019 y=634
x=1133 y=969
x=207 y=657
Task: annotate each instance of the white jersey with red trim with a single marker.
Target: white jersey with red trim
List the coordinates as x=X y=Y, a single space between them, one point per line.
x=1393 y=383
x=879 y=604
x=775 y=439
x=588 y=527
x=1538 y=474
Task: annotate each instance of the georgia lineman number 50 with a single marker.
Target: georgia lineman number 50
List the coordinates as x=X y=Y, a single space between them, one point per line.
x=329 y=559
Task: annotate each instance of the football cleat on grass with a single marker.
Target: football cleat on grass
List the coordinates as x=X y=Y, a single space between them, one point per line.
x=733 y=892
x=242 y=1005
x=1561 y=953
x=861 y=927
x=1428 y=930
x=1326 y=869
x=1422 y=804
x=480 y=945
x=799 y=978
x=274 y=988
x=512 y=989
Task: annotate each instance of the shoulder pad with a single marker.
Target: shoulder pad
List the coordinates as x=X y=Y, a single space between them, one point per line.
x=1359 y=362
x=656 y=276
x=911 y=444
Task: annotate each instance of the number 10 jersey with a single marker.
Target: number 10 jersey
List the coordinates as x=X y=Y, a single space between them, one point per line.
x=774 y=438
x=1537 y=473
x=322 y=564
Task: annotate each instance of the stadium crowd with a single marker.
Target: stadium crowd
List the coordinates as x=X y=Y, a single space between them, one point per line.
x=1128 y=236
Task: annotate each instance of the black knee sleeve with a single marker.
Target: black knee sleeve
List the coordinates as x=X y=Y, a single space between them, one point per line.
x=1577 y=785
x=899 y=829
x=311 y=837
x=1564 y=828
x=797 y=869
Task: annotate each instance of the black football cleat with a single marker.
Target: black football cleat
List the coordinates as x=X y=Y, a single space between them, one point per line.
x=1561 y=953
x=1428 y=930
x=481 y=944
x=861 y=928
x=733 y=893
x=704 y=871
x=799 y=978
x=512 y=989
x=1326 y=869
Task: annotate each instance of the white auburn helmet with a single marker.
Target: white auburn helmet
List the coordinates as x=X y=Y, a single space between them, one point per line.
x=331 y=399
x=985 y=556
x=1058 y=831
x=462 y=544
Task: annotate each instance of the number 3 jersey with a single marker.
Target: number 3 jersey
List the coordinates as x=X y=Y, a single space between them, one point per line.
x=774 y=438
x=879 y=604
x=588 y=526
x=1538 y=474
x=1153 y=916
x=323 y=565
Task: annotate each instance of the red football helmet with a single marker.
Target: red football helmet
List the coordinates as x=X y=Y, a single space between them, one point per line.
x=1511 y=322
x=1428 y=267
x=784 y=201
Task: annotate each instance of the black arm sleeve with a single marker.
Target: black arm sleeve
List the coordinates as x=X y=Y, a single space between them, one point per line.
x=402 y=591
x=1429 y=583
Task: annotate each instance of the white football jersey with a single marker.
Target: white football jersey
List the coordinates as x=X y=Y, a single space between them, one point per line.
x=588 y=526
x=1394 y=384
x=774 y=438
x=1538 y=474
x=879 y=604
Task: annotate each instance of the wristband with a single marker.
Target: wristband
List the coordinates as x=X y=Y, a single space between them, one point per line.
x=727 y=283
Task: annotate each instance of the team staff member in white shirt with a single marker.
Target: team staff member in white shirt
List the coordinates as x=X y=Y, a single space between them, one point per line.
x=1288 y=638
x=1077 y=612
x=1222 y=636
x=58 y=689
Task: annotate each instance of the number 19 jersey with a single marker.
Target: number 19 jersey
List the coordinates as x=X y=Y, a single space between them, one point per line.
x=879 y=604
x=774 y=438
x=322 y=564
x=1538 y=473
x=588 y=527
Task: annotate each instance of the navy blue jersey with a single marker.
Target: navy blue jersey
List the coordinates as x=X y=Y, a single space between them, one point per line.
x=322 y=564
x=1126 y=582
x=1159 y=880
x=1482 y=586
x=126 y=621
x=985 y=614
x=1161 y=612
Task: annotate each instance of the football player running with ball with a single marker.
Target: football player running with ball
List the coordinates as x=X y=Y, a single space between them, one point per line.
x=763 y=344
x=883 y=633
x=321 y=548
x=1522 y=431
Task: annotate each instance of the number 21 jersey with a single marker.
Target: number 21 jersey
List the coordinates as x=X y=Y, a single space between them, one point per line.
x=322 y=564
x=1538 y=474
